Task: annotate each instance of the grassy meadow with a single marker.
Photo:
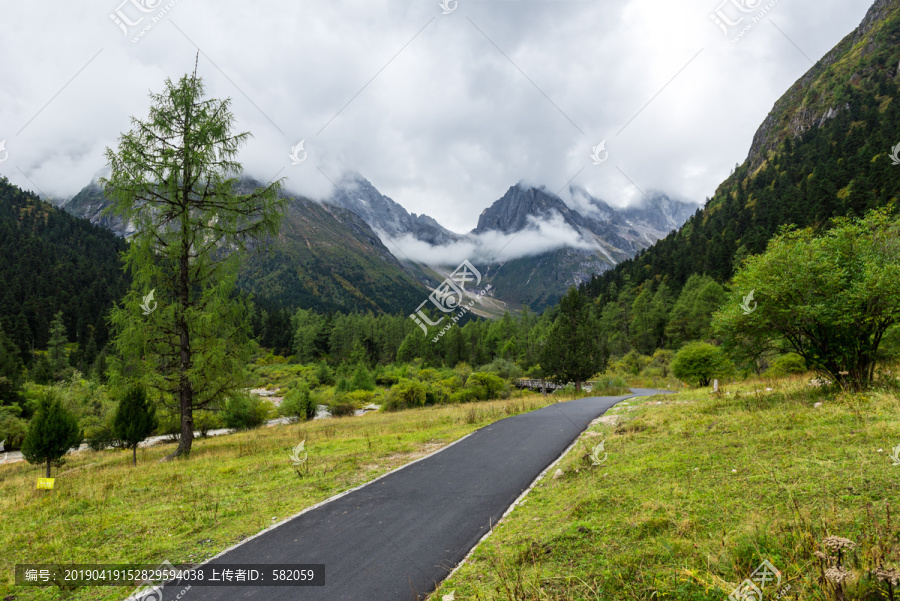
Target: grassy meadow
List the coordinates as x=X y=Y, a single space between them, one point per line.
x=105 y=511
x=696 y=490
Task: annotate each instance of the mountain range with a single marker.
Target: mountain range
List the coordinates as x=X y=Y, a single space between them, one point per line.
x=346 y=253
x=599 y=236
x=823 y=151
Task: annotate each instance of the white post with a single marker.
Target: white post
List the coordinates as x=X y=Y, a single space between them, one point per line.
x=716 y=385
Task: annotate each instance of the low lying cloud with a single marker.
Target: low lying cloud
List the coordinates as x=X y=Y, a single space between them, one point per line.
x=491 y=247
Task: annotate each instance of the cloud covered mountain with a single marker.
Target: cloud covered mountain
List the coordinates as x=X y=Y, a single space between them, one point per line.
x=355 y=193
x=531 y=243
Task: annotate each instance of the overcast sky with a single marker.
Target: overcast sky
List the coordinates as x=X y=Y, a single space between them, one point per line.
x=441 y=112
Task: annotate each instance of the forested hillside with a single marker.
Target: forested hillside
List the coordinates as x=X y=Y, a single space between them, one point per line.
x=824 y=151
x=328 y=259
x=55 y=262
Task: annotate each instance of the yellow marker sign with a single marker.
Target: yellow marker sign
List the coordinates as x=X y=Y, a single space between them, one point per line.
x=46 y=483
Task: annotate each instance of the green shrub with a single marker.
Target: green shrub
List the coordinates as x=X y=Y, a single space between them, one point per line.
x=92 y=405
x=12 y=427
x=700 y=362
x=609 y=386
x=487 y=386
x=101 y=434
x=889 y=349
x=631 y=364
x=245 y=411
x=324 y=374
x=784 y=365
x=389 y=377
x=362 y=379
x=360 y=397
x=440 y=393
x=464 y=396
x=205 y=420
x=660 y=365
x=298 y=402
x=135 y=418
x=406 y=394
x=427 y=375
x=462 y=370
x=341 y=407
x=504 y=368
x=271 y=359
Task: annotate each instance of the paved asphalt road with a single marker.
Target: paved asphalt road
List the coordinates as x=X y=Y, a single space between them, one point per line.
x=399 y=536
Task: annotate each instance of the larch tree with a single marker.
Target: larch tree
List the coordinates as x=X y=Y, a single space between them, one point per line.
x=182 y=330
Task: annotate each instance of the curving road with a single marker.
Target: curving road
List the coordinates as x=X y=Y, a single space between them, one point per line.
x=397 y=537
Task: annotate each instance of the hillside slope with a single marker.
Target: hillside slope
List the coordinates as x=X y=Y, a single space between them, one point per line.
x=53 y=262
x=822 y=152
x=325 y=258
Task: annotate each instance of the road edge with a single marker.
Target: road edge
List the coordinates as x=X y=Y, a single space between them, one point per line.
x=334 y=498
x=519 y=499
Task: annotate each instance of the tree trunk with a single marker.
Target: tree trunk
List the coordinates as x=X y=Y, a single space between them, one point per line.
x=185 y=386
x=187 y=420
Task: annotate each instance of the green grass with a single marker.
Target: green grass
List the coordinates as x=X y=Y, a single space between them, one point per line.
x=695 y=492
x=104 y=511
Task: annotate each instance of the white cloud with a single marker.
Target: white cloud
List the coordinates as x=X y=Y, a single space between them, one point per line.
x=491 y=247
x=441 y=112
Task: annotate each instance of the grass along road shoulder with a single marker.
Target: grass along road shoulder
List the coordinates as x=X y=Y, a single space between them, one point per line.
x=104 y=511
x=696 y=491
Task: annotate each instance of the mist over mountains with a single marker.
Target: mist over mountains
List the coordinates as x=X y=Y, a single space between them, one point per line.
x=531 y=244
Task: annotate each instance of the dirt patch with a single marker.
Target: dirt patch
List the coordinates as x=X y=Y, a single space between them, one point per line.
x=426 y=449
x=606 y=420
